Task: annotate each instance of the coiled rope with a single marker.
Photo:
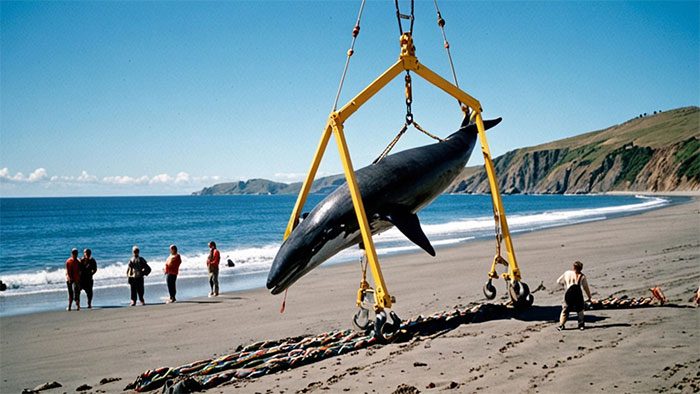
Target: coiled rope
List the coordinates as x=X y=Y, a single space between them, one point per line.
x=267 y=357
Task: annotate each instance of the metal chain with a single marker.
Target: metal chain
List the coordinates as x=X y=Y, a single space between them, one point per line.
x=400 y=16
x=389 y=147
x=409 y=121
x=363 y=266
x=409 y=98
x=497 y=230
x=355 y=33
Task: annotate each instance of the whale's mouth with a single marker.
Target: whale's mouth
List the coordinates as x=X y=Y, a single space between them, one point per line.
x=280 y=282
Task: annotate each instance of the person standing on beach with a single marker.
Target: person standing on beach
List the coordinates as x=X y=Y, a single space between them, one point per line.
x=137 y=269
x=575 y=281
x=88 y=267
x=213 y=268
x=73 y=280
x=172 y=267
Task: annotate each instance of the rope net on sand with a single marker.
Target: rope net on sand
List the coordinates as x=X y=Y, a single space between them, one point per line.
x=267 y=357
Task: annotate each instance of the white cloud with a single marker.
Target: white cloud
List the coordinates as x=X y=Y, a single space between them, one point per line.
x=38 y=175
x=183 y=177
x=86 y=178
x=160 y=183
x=161 y=178
x=125 y=180
x=295 y=176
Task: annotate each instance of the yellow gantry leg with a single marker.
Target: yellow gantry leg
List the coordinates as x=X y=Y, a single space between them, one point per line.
x=514 y=271
x=411 y=63
x=306 y=186
x=381 y=295
x=407 y=62
x=335 y=126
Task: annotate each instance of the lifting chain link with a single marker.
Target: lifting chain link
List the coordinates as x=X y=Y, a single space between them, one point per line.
x=409 y=121
x=497 y=230
x=400 y=16
x=409 y=98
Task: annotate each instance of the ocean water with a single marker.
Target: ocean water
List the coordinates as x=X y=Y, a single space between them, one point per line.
x=37 y=234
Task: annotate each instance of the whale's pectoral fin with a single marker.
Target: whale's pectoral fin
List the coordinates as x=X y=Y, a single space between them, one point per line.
x=409 y=225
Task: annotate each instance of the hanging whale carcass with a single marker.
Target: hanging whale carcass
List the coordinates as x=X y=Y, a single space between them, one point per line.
x=393 y=190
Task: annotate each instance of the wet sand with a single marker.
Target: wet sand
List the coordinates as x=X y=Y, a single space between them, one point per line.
x=634 y=350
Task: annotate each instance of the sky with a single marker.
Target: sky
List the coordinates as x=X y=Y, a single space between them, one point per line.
x=153 y=98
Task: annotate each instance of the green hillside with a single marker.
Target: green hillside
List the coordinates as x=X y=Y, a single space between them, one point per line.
x=652 y=153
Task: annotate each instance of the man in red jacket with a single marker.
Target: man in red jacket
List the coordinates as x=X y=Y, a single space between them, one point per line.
x=73 y=280
x=213 y=268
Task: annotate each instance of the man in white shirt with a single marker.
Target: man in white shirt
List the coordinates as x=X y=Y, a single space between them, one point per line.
x=575 y=281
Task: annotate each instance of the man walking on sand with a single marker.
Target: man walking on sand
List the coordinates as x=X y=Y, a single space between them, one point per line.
x=213 y=268
x=574 y=280
x=73 y=279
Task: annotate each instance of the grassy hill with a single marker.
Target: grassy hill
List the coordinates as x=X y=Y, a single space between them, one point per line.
x=653 y=153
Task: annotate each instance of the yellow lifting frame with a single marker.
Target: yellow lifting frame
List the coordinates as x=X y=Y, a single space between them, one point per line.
x=407 y=62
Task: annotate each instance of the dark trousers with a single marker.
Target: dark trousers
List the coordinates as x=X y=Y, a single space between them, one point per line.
x=214 y=279
x=136 y=288
x=170 y=280
x=73 y=292
x=87 y=286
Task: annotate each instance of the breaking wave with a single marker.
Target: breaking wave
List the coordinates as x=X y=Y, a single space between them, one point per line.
x=257 y=259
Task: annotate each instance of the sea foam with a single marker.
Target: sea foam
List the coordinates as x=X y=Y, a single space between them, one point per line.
x=257 y=259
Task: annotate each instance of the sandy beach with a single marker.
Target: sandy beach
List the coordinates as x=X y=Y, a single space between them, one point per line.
x=622 y=351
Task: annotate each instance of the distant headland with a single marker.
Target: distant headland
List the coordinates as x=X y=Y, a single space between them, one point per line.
x=650 y=153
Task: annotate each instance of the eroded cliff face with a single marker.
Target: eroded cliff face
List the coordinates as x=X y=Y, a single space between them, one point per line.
x=628 y=157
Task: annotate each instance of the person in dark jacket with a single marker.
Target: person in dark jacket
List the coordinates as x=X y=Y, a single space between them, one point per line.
x=88 y=267
x=135 y=272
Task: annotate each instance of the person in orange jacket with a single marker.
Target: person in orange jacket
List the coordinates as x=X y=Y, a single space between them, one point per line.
x=172 y=268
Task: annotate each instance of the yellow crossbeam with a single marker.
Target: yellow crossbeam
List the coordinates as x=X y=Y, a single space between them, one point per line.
x=444 y=84
x=367 y=93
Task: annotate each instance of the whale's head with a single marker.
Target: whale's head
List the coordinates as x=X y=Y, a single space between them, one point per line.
x=316 y=239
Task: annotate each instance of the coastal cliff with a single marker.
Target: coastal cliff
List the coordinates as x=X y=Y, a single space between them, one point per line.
x=655 y=153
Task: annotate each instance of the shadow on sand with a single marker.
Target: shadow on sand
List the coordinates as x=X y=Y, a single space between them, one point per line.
x=491 y=312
